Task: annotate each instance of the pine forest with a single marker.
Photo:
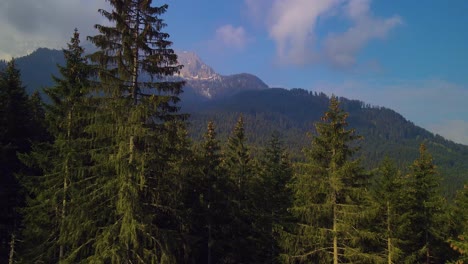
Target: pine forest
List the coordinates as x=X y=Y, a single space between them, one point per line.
x=102 y=167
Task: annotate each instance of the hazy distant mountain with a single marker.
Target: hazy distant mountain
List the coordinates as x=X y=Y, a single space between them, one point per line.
x=194 y=68
x=204 y=82
x=38 y=67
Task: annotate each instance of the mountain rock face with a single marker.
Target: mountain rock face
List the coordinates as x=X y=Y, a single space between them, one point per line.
x=203 y=83
x=194 y=68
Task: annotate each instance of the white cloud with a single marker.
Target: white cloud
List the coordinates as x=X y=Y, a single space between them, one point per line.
x=341 y=48
x=30 y=24
x=293 y=26
x=232 y=37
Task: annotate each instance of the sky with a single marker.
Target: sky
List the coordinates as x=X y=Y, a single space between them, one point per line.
x=410 y=56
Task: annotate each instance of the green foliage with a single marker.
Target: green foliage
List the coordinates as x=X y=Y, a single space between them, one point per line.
x=459 y=241
x=331 y=202
x=209 y=202
x=291 y=112
x=389 y=193
x=119 y=181
x=137 y=149
x=273 y=197
x=239 y=167
x=425 y=234
x=51 y=230
x=21 y=123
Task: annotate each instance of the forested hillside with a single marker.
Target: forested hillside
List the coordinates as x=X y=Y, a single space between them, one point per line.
x=38 y=67
x=293 y=112
x=112 y=169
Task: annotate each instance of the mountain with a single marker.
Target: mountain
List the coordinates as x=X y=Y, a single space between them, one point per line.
x=211 y=96
x=38 y=67
x=203 y=82
x=293 y=112
x=194 y=68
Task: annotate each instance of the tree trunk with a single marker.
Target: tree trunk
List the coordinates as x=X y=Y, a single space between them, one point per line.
x=135 y=60
x=209 y=243
x=335 y=237
x=65 y=187
x=12 y=248
x=334 y=204
x=389 y=239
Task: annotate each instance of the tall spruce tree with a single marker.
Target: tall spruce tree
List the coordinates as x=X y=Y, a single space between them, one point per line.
x=459 y=214
x=135 y=158
x=239 y=166
x=209 y=209
x=331 y=202
x=49 y=234
x=389 y=194
x=425 y=233
x=19 y=119
x=274 y=197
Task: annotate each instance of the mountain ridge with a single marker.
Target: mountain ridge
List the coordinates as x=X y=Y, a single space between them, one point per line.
x=211 y=96
x=202 y=82
x=293 y=113
x=207 y=84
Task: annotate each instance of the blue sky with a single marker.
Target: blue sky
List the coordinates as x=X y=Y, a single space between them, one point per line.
x=411 y=56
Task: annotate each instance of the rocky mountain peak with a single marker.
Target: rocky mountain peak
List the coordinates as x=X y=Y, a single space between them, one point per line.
x=194 y=67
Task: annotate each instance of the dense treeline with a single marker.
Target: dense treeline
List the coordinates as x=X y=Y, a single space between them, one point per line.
x=106 y=173
x=292 y=113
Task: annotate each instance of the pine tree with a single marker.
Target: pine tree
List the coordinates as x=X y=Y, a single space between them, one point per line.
x=238 y=164
x=62 y=163
x=331 y=203
x=135 y=160
x=37 y=118
x=389 y=194
x=274 y=197
x=459 y=242
x=17 y=131
x=425 y=233
x=210 y=215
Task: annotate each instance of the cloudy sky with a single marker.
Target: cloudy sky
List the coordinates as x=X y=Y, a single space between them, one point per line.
x=411 y=56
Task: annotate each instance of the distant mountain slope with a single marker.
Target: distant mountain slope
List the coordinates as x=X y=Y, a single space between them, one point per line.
x=38 y=67
x=202 y=82
x=194 y=68
x=209 y=95
x=293 y=112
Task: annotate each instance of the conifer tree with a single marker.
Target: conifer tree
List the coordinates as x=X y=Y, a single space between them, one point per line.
x=37 y=118
x=238 y=164
x=62 y=163
x=459 y=242
x=238 y=159
x=274 y=197
x=425 y=232
x=389 y=195
x=17 y=131
x=135 y=165
x=331 y=203
x=210 y=216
